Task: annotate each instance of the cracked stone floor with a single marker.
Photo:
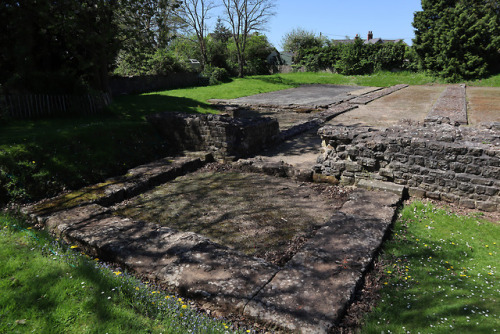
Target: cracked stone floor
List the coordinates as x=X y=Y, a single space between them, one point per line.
x=284 y=253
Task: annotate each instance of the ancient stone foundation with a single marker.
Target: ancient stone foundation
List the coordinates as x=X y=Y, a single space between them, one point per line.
x=435 y=160
x=221 y=135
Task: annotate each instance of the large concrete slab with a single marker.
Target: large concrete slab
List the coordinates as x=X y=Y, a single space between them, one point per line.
x=307 y=95
x=484 y=104
x=412 y=103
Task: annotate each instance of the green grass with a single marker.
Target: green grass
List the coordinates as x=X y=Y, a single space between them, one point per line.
x=48 y=287
x=440 y=275
x=493 y=81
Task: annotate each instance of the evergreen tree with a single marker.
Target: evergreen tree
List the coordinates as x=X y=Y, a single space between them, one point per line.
x=458 y=39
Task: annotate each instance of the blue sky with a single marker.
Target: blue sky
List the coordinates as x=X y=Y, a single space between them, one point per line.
x=339 y=18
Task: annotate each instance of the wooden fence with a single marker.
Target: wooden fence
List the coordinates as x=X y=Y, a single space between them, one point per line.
x=30 y=106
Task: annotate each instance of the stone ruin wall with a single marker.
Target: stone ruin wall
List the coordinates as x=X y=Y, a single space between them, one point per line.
x=435 y=160
x=222 y=135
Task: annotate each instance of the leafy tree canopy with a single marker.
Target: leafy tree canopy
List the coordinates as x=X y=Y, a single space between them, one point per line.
x=458 y=39
x=301 y=39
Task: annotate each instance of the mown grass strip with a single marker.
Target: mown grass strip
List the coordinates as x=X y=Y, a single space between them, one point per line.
x=440 y=275
x=49 y=287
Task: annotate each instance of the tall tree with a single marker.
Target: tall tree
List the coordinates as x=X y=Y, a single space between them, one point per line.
x=458 y=39
x=245 y=16
x=195 y=14
x=145 y=26
x=301 y=39
x=50 y=46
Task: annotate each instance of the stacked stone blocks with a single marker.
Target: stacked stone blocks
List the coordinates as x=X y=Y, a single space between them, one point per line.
x=439 y=161
x=222 y=135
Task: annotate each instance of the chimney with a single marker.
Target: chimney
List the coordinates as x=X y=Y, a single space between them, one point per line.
x=370 y=35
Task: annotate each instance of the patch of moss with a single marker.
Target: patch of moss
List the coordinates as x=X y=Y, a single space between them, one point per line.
x=73 y=199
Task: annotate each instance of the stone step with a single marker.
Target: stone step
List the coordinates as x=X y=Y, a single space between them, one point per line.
x=381 y=186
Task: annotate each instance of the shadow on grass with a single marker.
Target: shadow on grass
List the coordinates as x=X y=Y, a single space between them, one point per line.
x=277 y=80
x=39 y=158
x=136 y=107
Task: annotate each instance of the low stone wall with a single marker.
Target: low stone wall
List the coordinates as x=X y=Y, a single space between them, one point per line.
x=439 y=161
x=222 y=135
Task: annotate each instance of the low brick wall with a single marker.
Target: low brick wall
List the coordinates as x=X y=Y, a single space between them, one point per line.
x=439 y=161
x=222 y=135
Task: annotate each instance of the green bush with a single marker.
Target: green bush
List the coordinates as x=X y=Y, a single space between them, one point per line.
x=358 y=58
x=215 y=75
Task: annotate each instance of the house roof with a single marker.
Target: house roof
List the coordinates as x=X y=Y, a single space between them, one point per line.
x=368 y=40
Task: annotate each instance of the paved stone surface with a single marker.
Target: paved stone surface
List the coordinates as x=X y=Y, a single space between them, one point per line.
x=382 y=186
x=311 y=293
x=412 y=103
x=483 y=105
x=451 y=104
x=117 y=189
x=318 y=96
x=187 y=263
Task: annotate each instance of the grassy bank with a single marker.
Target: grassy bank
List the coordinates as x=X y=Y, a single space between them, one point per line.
x=440 y=275
x=49 y=287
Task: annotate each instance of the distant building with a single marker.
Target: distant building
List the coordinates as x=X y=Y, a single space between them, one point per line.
x=369 y=40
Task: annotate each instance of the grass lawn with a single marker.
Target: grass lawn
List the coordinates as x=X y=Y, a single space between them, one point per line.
x=441 y=275
x=49 y=287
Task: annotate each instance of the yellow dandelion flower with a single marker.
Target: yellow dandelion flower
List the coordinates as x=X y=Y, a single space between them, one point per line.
x=490 y=253
x=226 y=327
x=180 y=299
x=96 y=259
x=137 y=288
x=180 y=314
x=248 y=331
x=117 y=273
x=385 y=283
x=389 y=272
x=486 y=246
x=74 y=246
x=29 y=228
x=184 y=306
x=167 y=297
